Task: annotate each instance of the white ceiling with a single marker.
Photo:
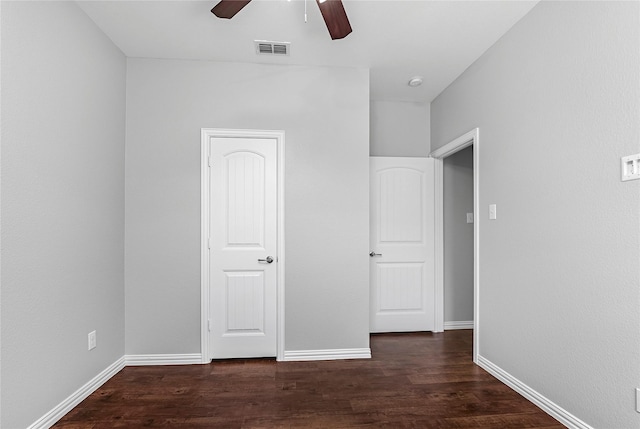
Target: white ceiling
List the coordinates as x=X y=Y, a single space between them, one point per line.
x=396 y=39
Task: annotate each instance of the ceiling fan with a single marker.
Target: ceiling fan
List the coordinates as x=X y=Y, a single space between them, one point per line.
x=332 y=11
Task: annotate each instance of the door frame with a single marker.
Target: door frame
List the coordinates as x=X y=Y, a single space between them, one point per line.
x=472 y=138
x=206 y=134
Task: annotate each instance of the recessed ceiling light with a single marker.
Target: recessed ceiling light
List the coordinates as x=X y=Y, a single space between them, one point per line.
x=415 y=81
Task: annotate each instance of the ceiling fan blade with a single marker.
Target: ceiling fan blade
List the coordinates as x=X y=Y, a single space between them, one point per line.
x=228 y=8
x=335 y=17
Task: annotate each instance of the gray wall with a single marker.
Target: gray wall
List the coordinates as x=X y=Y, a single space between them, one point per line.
x=557 y=104
x=325 y=115
x=63 y=129
x=399 y=128
x=458 y=236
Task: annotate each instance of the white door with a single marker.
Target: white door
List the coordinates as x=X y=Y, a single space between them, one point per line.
x=402 y=247
x=242 y=258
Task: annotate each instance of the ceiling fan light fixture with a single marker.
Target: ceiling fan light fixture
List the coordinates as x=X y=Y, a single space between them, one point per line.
x=415 y=81
x=333 y=13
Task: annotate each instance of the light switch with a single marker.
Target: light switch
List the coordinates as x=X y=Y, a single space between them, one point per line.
x=492 y=211
x=630 y=167
x=469 y=217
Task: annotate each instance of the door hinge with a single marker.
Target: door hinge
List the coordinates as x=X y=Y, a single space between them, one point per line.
x=208 y=243
x=209 y=161
x=209 y=325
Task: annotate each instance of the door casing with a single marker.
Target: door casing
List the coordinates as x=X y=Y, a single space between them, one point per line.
x=472 y=138
x=206 y=135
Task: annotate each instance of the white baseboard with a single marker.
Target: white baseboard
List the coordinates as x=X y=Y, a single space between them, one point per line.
x=548 y=406
x=326 y=354
x=50 y=418
x=463 y=324
x=160 y=359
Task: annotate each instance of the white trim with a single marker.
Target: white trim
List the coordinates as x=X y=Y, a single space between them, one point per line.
x=472 y=138
x=458 y=324
x=163 y=359
x=205 y=135
x=281 y=259
x=476 y=244
x=455 y=145
x=547 y=405
x=57 y=412
x=327 y=354
x=204 y=247
x=438 y=254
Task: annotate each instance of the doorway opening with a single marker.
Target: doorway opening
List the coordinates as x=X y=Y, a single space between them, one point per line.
x=468 y=139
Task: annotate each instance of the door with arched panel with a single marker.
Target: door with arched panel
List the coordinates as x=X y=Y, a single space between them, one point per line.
x=402 y=244
x=243 y=247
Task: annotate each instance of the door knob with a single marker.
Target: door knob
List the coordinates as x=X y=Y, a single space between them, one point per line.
x=268 y=260
x=373 y=253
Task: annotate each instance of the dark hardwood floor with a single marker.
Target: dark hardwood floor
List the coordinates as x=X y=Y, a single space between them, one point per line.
x=417 y=380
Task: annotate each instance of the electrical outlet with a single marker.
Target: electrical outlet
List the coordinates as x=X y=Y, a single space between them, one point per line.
x=92 y=340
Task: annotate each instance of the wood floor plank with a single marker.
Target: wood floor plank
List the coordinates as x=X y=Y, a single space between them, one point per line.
x=414 y=380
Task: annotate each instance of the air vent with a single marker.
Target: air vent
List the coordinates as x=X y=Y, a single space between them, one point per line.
x=264 y=47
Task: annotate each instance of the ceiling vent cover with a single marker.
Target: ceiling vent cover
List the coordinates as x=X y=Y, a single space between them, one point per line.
x=264 y=47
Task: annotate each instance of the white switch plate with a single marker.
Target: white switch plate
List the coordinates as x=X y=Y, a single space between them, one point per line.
x=469 y=217
x=92 y=340
x=630 y=167
x=492 y=211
